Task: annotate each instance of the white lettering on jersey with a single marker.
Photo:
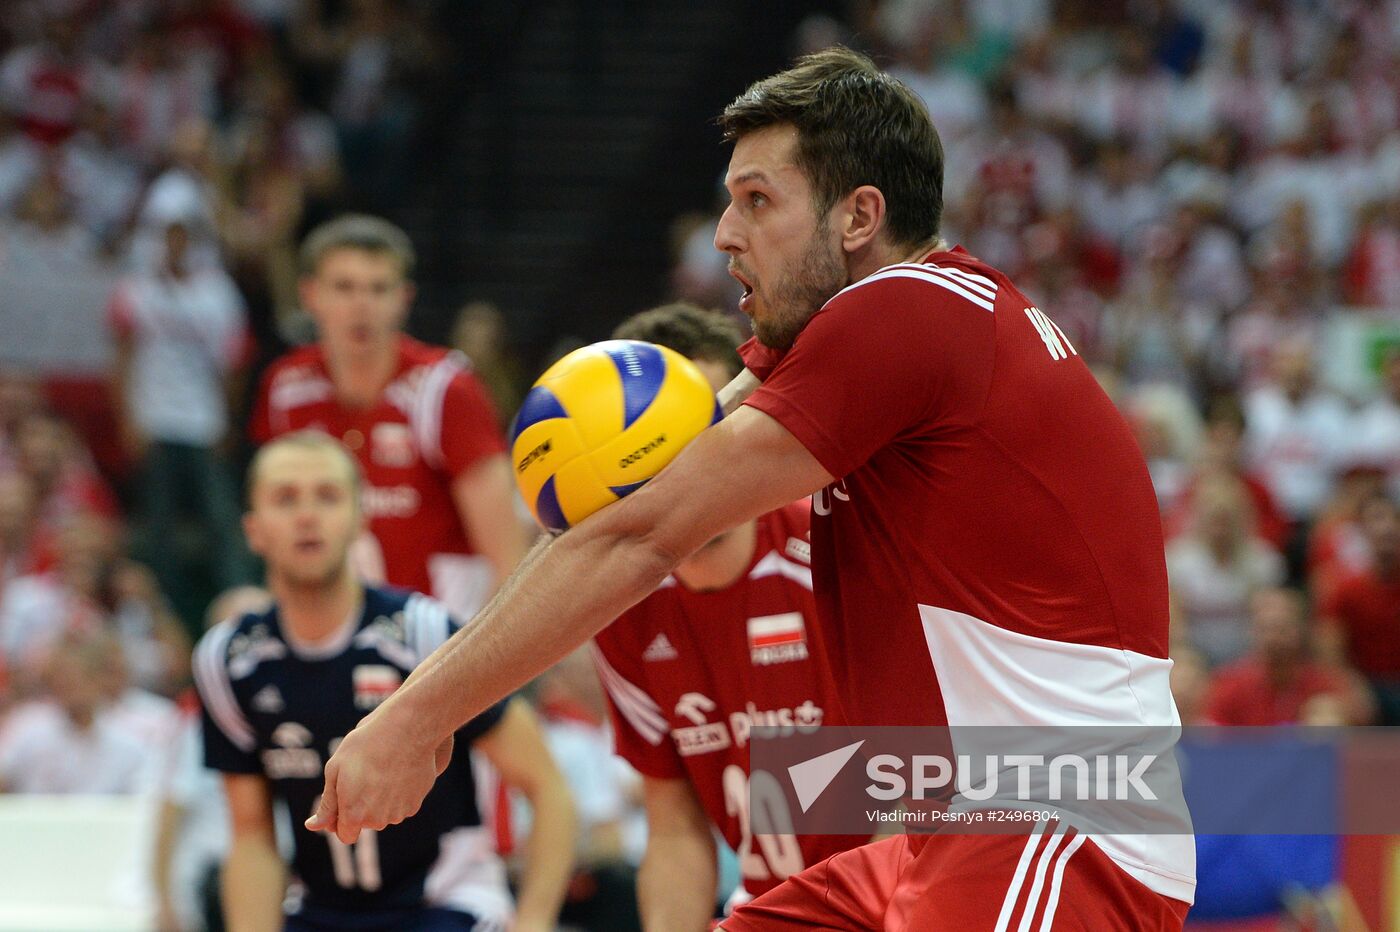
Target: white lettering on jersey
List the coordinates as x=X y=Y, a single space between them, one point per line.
x=805 y=718
x=394 y=501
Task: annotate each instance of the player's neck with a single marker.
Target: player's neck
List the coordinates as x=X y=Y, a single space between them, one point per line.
x=313 y=615
x=360 y=378
x=720 y=564
x=886 y=255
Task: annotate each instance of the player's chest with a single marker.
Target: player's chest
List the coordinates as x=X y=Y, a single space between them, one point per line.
x=715 y=684
x=381 y=437
x=300 y=711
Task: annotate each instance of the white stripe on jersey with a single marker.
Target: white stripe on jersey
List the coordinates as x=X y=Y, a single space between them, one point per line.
x=426 y=417
x=774 y=564
x=1042 y=863
x=640 y=710
x=425 y=625
x=211 y=678
x=923 y=274
x=1018 y=879
x=986 y=284
x=1053 y=901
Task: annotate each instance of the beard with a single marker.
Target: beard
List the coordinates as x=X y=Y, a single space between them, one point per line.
x=799 y=294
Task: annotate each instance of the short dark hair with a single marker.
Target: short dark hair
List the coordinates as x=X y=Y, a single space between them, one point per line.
x=688 y=329
x=855 y=125
x=357 y=231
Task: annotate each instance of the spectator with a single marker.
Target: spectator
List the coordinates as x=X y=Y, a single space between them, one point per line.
x=1222 y=453
x=1359 y=621
x=65 y=744
x=39 y=610
x=43 y=83
x=1376 y=430
x=1277 y=683
x=65 y=481
x=1215 y=566
x=22 y=551
x=181 y=339
x=1296 y=430
x=263 y=207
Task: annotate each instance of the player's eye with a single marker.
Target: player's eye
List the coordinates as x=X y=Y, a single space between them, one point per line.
x=757 y=200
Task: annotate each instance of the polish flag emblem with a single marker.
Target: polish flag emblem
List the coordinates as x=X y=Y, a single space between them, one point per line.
x=777 y=638
x=374 y=683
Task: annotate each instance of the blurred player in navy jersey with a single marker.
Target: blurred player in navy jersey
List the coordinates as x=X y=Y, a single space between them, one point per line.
x=281 y=687
x=986 y=543
x=730 y=637
x=438 y=495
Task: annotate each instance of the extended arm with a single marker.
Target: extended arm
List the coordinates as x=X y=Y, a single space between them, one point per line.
x=739 y=469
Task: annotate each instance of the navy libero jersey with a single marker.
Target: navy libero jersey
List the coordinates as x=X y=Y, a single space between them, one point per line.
x=274 y=708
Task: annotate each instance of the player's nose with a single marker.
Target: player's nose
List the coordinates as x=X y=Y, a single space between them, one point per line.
x=728 y=237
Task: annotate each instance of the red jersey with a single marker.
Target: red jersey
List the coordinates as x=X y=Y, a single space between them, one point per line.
x=688 y=673
x=1368 y=609
x=991 y=550
x=432 y=422
x=1243 y=693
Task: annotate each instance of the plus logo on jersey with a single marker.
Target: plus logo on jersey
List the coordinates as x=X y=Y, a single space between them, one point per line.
x=777 y=638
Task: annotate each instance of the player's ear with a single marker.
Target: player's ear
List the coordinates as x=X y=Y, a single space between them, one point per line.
x=863 y=213
x=407 y=293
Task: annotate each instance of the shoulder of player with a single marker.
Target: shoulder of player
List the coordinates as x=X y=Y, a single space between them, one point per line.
x=946 y=281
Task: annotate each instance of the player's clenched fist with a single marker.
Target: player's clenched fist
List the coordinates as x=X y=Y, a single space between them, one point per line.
x=377 y=777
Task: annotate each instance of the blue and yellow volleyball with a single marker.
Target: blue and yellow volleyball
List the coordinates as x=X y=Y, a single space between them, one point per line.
x=602 y=421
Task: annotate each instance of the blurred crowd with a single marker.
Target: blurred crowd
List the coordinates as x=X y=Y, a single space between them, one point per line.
x=1204 y=196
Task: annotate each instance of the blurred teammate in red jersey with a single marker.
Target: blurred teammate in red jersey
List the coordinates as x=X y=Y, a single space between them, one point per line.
x=438 y=491
x=728 y=641
x=986 y=544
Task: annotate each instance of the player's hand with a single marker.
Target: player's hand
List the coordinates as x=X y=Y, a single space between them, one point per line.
x=376 y=778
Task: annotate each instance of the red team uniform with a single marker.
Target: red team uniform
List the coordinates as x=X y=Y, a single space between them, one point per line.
x=689 y=673
x=990 y=554
x=431 y=423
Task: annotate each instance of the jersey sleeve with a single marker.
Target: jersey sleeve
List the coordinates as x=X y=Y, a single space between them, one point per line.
x=468 y=430
x=890 y=357
x=641 y=734
x=230 y=744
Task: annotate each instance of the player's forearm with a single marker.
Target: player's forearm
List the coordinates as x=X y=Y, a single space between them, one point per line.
x=254 y=882
x=563 y=594
x=676 y=883
x=549 y=855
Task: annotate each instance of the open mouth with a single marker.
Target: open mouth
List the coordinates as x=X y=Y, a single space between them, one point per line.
x=748 y=288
